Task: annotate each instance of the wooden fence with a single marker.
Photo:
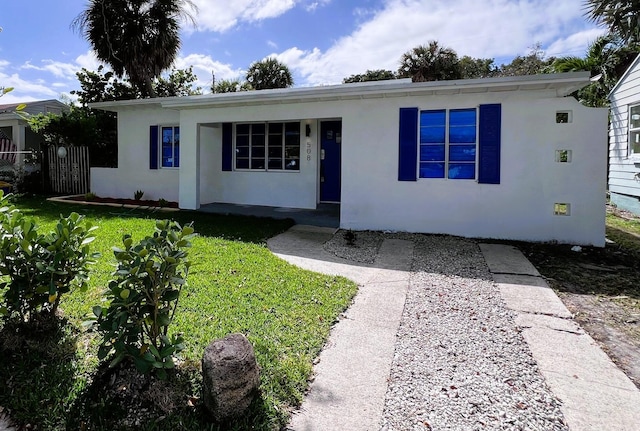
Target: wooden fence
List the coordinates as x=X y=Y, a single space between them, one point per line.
x=68 y=174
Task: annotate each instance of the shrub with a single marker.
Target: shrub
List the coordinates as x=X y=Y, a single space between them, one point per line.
x=143 y=297
x=138 y=195
x=90 y=196
x=39 y=268
x=163 y=202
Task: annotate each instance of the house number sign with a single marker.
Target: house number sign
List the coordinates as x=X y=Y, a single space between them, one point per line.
x=308 y=151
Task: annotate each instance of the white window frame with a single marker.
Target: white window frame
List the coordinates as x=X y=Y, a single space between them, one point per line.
x=633 y=131
x=283 y=146
x=447 y=145
x=160 y=147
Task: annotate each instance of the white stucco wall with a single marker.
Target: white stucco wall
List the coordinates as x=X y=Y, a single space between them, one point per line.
x=521 y=207
x=133 y=171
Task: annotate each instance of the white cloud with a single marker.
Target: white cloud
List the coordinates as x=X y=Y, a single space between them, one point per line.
x=23 y=89
x=311 y=7
x=204 y=65
x=576 y=44
x=494 y=29
x=272 y=44
x=88 y=60
x=222 y=15
x=57 y=68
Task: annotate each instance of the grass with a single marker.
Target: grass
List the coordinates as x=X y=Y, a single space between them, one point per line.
x=612 y=271
x=52 y=379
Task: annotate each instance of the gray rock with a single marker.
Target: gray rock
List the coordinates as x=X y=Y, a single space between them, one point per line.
x=231 y=377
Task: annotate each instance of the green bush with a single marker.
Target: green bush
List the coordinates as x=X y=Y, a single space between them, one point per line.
x=143 y=297
x=40 y=268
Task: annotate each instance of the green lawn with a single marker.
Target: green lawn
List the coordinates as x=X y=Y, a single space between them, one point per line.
x=54 y=381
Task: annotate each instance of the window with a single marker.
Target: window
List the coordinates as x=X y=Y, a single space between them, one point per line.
x=170 y=136
x=448 y=144
x=267 y=146
x=634 y=130
x=563 y=117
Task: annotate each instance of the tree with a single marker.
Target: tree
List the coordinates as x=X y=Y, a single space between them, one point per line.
x=136 y=37
x=178 y=83
x=429 y=63
x=619 y=16
x=606 y=59
x=269 y=73
x=476 y=67
x=531 y=64
x=230 y=86
x=370 y=75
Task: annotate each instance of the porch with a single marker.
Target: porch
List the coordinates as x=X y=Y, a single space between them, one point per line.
x=325 y=215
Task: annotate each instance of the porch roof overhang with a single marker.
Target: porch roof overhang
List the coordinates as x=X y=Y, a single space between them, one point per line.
x=562 y=84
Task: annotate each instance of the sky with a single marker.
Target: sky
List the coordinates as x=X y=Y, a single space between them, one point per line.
x=321 y=41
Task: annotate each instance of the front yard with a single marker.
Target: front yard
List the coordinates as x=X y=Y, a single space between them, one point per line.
x=54 y=381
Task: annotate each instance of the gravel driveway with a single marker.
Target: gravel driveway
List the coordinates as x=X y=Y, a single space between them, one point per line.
x=460 y=361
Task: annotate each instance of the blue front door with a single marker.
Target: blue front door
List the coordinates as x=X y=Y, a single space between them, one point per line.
x=330 y=142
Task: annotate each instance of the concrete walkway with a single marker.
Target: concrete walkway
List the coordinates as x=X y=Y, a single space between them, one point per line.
x=348 y=392
x=595 y=394
x=351 y=376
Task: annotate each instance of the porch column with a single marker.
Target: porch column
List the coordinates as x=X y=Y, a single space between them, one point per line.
x=189 y=190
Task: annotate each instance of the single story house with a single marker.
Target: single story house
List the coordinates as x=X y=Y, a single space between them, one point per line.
x=509 y=158
x=14 y=126
x=624 y=140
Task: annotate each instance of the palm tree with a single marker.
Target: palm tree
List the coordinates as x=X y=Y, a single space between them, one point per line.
x=620 y=16
x=429 y=63
x=136 y=37
x=606 y=59
x=269 y=73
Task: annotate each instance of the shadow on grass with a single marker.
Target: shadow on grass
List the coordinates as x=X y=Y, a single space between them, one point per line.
x=232 y=227
x=39 y=371
x=613 y=270
x=123 y=399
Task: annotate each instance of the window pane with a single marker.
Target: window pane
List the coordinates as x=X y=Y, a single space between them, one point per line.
x=462 y=153
x=257 y=129
x=462 y=134
x=275 y=163
x=432 y=127
x=257 y=163
x=292 y=164
x=431 y=170
x=462 y=117
x=432 y=135
x=257 y=152
x=462 y=171
x=167 y=147
x=242 y=163
x=275 y=128
x=430 y=153
x=242 y=151
x=292 y=129
x=242 y=129
x=176 y=147
x=634 y=143
x=634 y=117
x=242 y=141
x=257 y=141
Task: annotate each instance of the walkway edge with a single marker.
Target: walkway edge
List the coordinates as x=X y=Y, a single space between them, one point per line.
x=595 y=394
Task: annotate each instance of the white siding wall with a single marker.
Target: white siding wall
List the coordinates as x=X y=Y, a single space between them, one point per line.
x=622 y=169
x=133 y=171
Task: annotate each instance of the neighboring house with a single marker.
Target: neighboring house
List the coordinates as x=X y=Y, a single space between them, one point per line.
x=624 y=140
x=14 y=126
x=509 y=158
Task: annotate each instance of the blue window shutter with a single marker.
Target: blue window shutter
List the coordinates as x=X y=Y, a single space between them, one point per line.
x=489 y=144
x=153 y=147
x=408 y=144
x=227 y=146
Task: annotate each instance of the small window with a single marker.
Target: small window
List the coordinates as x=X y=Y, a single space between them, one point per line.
x=563 y=117
x=562 y=209
x=170 y=144
x=634 y=130
x=563 y=156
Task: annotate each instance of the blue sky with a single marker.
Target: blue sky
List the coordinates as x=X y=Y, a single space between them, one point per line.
x=322 y=41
